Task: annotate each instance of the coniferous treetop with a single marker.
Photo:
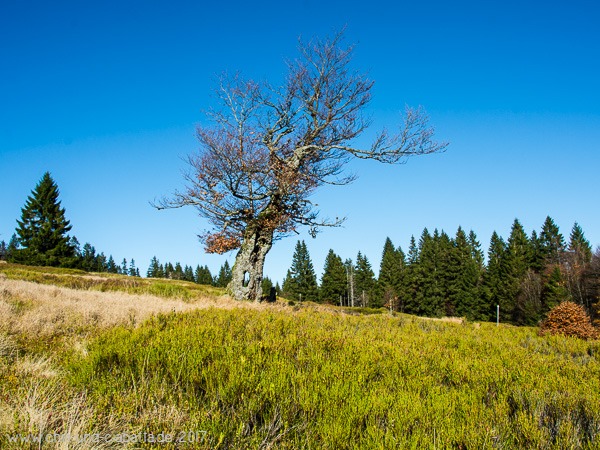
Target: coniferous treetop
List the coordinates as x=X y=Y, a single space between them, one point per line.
x=43 y=227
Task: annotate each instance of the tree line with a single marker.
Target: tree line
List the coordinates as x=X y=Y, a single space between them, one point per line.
x=439 y=275
x=524 y=275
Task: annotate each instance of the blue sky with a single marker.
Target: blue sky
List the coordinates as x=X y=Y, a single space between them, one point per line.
x=106 y=95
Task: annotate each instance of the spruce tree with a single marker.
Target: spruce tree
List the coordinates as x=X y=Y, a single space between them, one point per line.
x=465 y=280
x=266 y=285
x=493 y=277
x=111 y=266
x=300 y=282
x=580 y=245
x=429 y=282
x=224 y=276
x=409 y=287
x=123 y=269
x=43 y=227
x=517 y=261
x=169 y=271
x=554 y=291
x=365 y=283
x=578 y=260
x=351 y=297
x=188 y=274
x=153 y=268
x=88 y=257
x=177 y=272
x=3 y=250
x=333 y=282
x=203 y=275
x=552 y=243
x=101 y=263
x=12 y=248
x=132 y=269
x=391 y=271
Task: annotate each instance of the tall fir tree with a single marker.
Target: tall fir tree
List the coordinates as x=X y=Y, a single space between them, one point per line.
x=365 y=283
x=124 y=269
x=391 y=272
x=111 y=266
x=188 y=274
x=224 y=276
x=88 y=257
x=552 y=243
x=493 y=277
x=578 y=258
x=580 y=245
x=464 y=283
x=203 y=275
x=153 y=268
x=43 y=228
x=428 y=277
x=3 y=250
x=334 y=280
x=132 y=269
x=408 y=292
x=301 y=282
x=517 y=262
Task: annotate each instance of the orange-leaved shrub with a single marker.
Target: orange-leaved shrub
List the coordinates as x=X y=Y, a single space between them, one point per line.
x=570 y=319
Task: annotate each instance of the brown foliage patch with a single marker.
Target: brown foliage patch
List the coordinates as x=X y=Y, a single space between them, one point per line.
x=569 y=319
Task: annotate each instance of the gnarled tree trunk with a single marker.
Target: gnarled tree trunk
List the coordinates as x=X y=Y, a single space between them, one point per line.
x=247 y=272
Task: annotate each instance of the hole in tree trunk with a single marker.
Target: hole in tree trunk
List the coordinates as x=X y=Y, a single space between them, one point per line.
x=246 y=280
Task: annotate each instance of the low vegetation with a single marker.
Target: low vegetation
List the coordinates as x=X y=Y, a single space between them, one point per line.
x=225 y=374
x=569 y=319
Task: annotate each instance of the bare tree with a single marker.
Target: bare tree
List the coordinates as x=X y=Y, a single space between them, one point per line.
x=269 y=148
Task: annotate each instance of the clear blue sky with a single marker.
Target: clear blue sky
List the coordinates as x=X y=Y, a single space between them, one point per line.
x=106 y=95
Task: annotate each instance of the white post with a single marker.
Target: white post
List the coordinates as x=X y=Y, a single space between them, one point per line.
x=497 y=315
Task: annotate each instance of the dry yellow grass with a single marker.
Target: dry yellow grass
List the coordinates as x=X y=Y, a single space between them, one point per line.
x=42 y=310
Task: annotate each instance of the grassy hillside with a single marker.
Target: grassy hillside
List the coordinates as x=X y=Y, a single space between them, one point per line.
x=220 y=374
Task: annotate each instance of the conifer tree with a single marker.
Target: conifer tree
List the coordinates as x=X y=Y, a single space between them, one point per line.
x=132 y=269
x=111 y=266
x=552 y=243
x=365 y=283
x=333 y=282
x=101 y=263
x=43 y=227
x=554 y=291
x=267 y=285
x=428 y=280
x=301 y=282
x=493 y=278
x=409 y=288
x=188 y=274
x=177 y=272
x=517 y=262
x=88 y=257
x=124 y=270
x=3 y=250
x=465 y=278
x=153 y=268
x=12 y=248
x=351 y=299
x=203 y=275
x=578 y=260
x=169 y=271
x=580 y=245
x=224 y=276
x=391 y=272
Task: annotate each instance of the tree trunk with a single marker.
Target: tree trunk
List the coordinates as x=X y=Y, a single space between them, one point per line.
x=247 y=272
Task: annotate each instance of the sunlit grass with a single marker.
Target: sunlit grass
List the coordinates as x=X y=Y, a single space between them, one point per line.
x=276 y=376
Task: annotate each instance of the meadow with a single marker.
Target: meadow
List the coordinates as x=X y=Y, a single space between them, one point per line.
x=88 y=354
